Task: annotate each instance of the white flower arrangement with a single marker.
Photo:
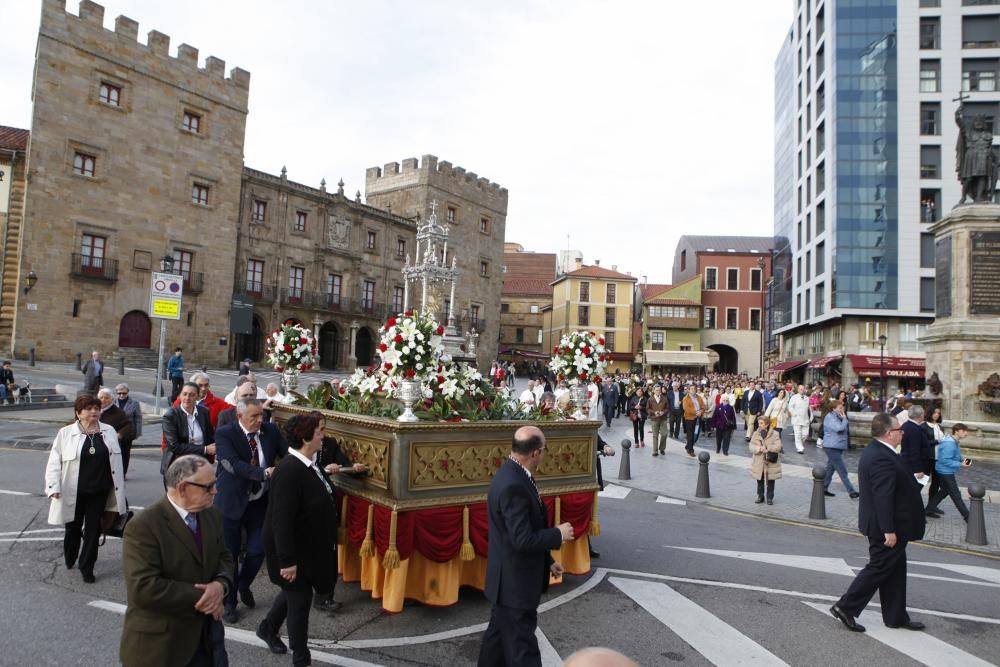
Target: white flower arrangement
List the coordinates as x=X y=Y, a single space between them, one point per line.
x=579 y=357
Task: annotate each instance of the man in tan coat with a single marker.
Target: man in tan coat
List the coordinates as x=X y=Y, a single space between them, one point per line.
x=177 y=571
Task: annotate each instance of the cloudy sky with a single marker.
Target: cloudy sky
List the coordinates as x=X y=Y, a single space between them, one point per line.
x=616 y=126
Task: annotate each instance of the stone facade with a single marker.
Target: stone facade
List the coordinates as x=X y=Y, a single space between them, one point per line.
x=527 y=292
x=125 y=139
x=13 y=173
x=306 y=253
x=476 y=211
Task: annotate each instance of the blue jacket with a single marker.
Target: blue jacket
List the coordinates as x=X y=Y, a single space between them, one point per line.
x=835 y=434
x=175 y=367
x=949 y=458
x=236 y=476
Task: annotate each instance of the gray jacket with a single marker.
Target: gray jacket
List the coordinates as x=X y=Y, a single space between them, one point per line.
x=133 y=411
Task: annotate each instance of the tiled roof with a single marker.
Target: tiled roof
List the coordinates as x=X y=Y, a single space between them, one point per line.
x=535 y=265
x=754 y=244
x=651 y=289
x=527 y=287
x=599 y=272
x=13 y=138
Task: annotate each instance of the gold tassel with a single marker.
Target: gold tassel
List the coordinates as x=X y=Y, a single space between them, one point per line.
x=342 y=530
x=466 y=552
x=558 y=513
x=368 y=545
x=391 y=559
x=595 y=525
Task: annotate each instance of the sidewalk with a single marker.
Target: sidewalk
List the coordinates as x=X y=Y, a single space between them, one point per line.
x=676 y=474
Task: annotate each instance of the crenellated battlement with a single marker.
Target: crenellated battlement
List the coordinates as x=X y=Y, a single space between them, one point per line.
x=58 y=23
x=429 y=169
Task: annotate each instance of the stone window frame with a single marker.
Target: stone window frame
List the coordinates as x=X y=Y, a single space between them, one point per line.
x=185 y=108
x=400 y=248
x=110 y=235
x=97 y=153
x=305 y=222
x=484 y=268
x=84 y=164
x=397 y=303
x=484 y=225
x=451 y=213
x=99 y=78
x=254 y=200
x=371 y=241
x=211 y=184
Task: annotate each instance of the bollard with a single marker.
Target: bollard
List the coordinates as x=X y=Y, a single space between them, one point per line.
x=817 y=507
x=79 y=361
x=624 y=469
x=204 y=368
x=975 y=533
x=702 y=491
x=31 y=357
x=121 y=365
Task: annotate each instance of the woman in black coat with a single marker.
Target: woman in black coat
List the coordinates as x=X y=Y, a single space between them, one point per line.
x=637 y=413
x=300 y=536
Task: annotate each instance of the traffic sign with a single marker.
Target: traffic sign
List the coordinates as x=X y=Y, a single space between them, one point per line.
x=166 y=291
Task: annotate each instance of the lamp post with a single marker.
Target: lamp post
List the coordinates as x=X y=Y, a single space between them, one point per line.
x=881 y=362
x=166 y=266
x=761 y=263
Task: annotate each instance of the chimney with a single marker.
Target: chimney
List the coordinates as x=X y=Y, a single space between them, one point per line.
x=579 y=262
x=597 y=262
x=614 y=267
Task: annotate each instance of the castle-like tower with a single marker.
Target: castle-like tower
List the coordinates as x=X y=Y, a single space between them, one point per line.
x=475 y=209
x=135 y=154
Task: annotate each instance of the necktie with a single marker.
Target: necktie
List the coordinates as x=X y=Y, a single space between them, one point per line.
x=192 y=523
x=254 y=459
x=319 y=473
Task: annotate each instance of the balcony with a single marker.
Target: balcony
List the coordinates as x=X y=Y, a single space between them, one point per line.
x=98 y=268
x=326 y=301
x=293 y=297
x=673 y=322
x=259 y=292
x=366 y=308
x=194 y=283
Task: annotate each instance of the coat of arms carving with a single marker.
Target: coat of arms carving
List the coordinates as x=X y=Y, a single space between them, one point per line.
x=338 y=234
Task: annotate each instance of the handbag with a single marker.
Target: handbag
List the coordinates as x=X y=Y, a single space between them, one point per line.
x=633 y=416
x=771 y=457
x=113 y=524
x=774 y=422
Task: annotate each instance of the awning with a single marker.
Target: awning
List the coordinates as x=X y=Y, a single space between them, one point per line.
x=895 y=367
x=823 y=362
x=787 y=366
x=675 y=358
x=527 y=354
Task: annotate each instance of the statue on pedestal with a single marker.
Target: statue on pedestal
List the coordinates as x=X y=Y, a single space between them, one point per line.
x=974 y=159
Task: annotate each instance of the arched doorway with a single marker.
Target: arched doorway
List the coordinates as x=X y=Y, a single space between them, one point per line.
x=134 y=330
x=249 y=346
x=729 y=358
x=364 y=346
x=329 y=357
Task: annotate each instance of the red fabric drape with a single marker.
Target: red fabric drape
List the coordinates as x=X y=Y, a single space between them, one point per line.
x=357 y=520
x=437 y=533
x=479 y=528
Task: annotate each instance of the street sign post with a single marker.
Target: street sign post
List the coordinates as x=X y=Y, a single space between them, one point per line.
x=166 y=291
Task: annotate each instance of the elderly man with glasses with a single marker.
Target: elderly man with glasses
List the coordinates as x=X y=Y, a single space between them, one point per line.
x=133 y=411
x=177 y=573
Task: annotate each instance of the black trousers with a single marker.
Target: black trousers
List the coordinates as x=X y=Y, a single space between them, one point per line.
x=293 y=606
x=770 y=489
x=885 y=573
x=175 y=388
x=676 y=419
x=639 y=429
x=510 y=639
x=126 y=446
x=689 y=425
x=87 y=519
x=722 y=438
x=949 y=487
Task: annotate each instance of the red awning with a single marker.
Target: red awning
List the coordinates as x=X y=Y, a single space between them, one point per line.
x=787 y=366
x=823 y=362
x=895 y=367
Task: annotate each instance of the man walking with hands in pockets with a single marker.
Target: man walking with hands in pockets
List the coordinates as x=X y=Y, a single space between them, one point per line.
x=519 y=562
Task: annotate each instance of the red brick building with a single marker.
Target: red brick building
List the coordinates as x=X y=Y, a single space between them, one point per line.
x=527 y=291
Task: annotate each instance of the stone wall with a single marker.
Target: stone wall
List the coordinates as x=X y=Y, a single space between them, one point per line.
x=983 y=437
x=139 y=198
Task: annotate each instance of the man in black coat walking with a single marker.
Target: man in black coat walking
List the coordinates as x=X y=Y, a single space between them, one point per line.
x=890 y=514
x=519 y=563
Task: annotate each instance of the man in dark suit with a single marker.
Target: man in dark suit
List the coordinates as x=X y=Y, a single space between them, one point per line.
x=177 y=571
x=187 y=428
x=890 y=514
x=917 y=447
x=675 y=396
x=609 y=398
x=753 y=401
x=247 y=452
x=518 y=563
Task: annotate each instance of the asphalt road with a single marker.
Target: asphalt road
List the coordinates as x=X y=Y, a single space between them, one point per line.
x=650 y=596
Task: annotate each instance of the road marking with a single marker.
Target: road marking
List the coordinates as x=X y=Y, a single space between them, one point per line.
x=977 y=571
x=919 y=646
x=251 y=639
x=952 y=579
x=814 y=563
x=670 y=501
x=550 y=657
x=614 y=491
x=14 y=493
x=31 y=532
x=43 y=539
x=719 y=642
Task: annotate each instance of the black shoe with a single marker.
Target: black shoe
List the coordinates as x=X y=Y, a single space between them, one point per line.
x=770 y=501
x=329 y=605
x=909 y=625
x=655 y=454
x=849 y=621
x=229 y=615
x=759 y=500
x=88 y=577
x=594 y=554
x=933 y=514
x=855 y=495
x=246 y=597
x=663 y=451
x=829 y=495
x=271 y=638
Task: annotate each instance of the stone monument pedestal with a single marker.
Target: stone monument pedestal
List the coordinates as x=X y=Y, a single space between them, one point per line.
x=963 y=343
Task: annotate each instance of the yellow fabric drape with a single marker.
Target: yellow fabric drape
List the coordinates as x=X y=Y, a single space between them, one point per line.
x=595 y=525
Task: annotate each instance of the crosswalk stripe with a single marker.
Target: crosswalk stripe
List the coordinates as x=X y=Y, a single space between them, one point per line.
x=670 y=501
x=14 y=493
x=550 y=657
x=814 y=563
x=977 y=571
x=920 y=646
x=614 y=491
x=719 y=642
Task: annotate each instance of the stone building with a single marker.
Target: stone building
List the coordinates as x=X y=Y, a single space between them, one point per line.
x=323 y=259
x=527 y=291
x=475 y=209
x=135 y=154
x=13 y=154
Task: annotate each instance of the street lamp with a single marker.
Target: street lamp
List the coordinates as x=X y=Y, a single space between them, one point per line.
x=761 y=262
x=166 y=266
x=881 y=363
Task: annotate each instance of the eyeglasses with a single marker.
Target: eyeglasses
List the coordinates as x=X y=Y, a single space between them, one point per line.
x=202 y=385
x=122 y=393
x=207 y=487
x=893 y=430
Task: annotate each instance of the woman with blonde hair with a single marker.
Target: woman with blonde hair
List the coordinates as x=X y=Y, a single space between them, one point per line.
x=765 y=446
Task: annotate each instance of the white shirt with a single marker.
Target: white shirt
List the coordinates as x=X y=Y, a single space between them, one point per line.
x=260 y=458
x=195 y=435
x=528 y=397
x=798 y=406
x=180 y=510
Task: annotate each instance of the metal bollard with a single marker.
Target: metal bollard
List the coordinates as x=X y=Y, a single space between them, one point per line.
x=975 y=533
x=121 y=365
x=31 y=357
x=702 y=490
x=817 y=507
x=79 y=361
x=624 y=468
x=204 y=368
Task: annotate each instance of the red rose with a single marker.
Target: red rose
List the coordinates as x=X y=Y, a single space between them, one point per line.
x=586 y=349
x=555 y=350
x=387 y=367
x=440 y=330
x=409 y=313
x=391 y=322
x=302 y=340
x=583 y=376
x=382 y=347
x=600 y=341
x=288 y=348
x=278 y=368
x=342 y=391
x=441 y=379
x=398 y=338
